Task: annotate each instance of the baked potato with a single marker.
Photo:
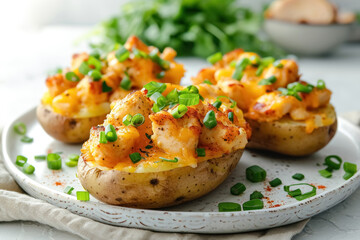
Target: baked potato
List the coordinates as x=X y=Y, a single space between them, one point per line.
x=79 y=97
x=168 y=157
x=287 y=115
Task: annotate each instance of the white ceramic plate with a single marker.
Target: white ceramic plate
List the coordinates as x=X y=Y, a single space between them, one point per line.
x=201 y=215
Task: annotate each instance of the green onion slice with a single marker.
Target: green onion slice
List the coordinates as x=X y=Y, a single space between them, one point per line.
x=71 y=76
x=105 y=87
x=255 y=173
x=95 y=75
x=229 y=207
x=94 y=62
x=137 y=120
x=173 y=97
x=254 y=204
x=348 y=175
x=256 y=195
x=350 y=167
x=259 y=71
x=110 y=133
x=169 y=160
x=54 y=161
x=237 y=189
x=200 y=152
x=231 y=116
x=84 y=68
x=70 y=163
x=126 y=82
x=278 y=64
x=155 y=108
x=68 y=190
x=320 y=84
x=20 y=160
x=160 y=75
x=28 y=168
x=102 y=137
x=210 y=119
x=40 y=157
x=139 y=54
x=330 y=163
x=179 y=111
x=165 y=65
x=276 y=182
x=153 y=87
x=189 y=99
x=122 y=54
x=240 y=67
x=135 y=157
x=26 y=139
x=159 y=99
x=20 y=128
x=207 y=82
x=74 y=157
x=217 y=104
x=214 y=58
x=325 y=173
x=268 y=81
x=298 y=176
x=304 y=195
x=83 y=196
x=127 y=120
x=148 y=147
x=294 y=193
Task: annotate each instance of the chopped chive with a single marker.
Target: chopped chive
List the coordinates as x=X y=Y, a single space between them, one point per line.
x=298 y=176
x=40 y=157
x=20 y=128
x=214 y=58
x=210 y=120
x=105 y=87
x=169 y=160
x=68 y=190
x=207 y=82
x=26 y=139
x=127 y=120
x=137 y=120
x=231 y=116
x=189 y=99
x=179 y=111
x=122 y=54
x=320 y=84
x=240 y=67
x=233 y=103
x=139 y=54
x=102 y=137
x=325 y=173
x=135 y=157
x=83 y=196
x=20 y=160
x=332 y=164
x=268 y=81
x=165 y=65
x=200 y=152
x=53 y=161
x=217 y=104
x=237 y=189
x=71 y=76
x=148 y=136
x=153 y=87
x=350 y=167
x=28 y=168
x=256 y=195
x=126 y=82
x=229 y=207
x=110 y=133
x=70 y=163
x=160 y=75
x=254 y=204
x=278 y=64
x=304 y=195
x=95 y=75
x=259 y=71
x=276 y=182
x=255 y=173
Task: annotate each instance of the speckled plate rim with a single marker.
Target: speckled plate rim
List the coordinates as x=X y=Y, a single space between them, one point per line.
x=351 y=185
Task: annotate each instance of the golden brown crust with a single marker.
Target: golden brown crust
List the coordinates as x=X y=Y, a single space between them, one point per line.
x=66 y=129
x=156 y=189
x=289 y=137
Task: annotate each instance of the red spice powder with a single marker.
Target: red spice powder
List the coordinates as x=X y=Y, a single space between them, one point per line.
x=58 y=183
x=268 y=189
x=321 y=187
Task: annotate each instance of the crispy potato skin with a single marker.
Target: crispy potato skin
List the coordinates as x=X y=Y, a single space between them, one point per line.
x=289 y=137
x=156 y=189
x=66 y=129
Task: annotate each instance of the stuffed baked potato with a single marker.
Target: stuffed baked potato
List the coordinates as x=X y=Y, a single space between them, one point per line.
x=79 y=97
x=287 y=115
x=159 y=147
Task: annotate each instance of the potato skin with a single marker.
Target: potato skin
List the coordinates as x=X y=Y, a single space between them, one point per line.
x=288 y=137
x=156 y=189
x=66 y=129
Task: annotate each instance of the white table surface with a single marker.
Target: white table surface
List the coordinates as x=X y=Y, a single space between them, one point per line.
x=26 y=57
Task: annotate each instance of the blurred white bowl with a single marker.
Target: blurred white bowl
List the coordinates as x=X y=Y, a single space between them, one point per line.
x=305 y=39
